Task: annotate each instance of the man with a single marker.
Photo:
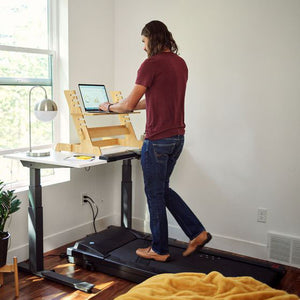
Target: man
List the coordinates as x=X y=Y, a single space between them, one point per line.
x=162 y=79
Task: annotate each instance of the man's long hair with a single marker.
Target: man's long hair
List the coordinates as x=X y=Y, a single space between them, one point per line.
x=160 y=38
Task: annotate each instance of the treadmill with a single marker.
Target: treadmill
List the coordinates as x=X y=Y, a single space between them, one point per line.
x=112 y=251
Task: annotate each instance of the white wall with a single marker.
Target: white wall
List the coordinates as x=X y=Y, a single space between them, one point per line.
x=242 y=111
x=242 y=117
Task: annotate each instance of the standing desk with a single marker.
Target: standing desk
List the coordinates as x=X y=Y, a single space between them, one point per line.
x=112 y=251
x=35 y=208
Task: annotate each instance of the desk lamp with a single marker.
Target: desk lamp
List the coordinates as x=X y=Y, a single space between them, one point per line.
x=44 y=111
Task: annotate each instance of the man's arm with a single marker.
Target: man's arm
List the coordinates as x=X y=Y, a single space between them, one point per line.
x=140 y=105
x=132 y=102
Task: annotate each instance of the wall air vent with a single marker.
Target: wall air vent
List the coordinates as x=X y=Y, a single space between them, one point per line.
x=284 y=249
x=295 y=259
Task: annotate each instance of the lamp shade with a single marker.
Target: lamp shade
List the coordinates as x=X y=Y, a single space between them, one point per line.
x=45 y=110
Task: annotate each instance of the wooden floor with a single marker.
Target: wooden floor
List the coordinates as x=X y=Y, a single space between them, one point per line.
x=106 y=287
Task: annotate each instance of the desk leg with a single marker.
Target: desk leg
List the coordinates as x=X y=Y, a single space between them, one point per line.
x=36 y=243
x=126 y=194
x=35 y=222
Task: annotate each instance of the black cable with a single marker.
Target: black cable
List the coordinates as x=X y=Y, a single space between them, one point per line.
x=88 y=200
x=61 y=255
x=93 y=215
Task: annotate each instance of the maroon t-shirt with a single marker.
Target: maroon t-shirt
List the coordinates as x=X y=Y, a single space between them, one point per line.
x=164 y=75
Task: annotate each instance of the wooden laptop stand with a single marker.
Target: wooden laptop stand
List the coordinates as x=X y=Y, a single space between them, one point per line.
x=94 y=138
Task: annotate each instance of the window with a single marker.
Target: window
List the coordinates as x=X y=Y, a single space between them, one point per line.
x=26 y=60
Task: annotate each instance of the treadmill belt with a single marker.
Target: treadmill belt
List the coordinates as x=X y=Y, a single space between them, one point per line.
x=123 y=262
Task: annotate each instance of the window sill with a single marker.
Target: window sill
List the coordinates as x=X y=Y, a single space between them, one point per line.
x=60 y=176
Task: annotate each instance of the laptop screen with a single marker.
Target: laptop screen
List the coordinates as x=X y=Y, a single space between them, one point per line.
x=92 y=96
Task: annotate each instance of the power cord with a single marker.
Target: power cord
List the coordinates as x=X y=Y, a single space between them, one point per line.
x=61 y=255
x=91 y=202
x=93 y=205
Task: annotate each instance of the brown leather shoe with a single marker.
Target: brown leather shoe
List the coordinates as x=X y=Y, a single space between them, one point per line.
x=148 y=253
x=198 y=242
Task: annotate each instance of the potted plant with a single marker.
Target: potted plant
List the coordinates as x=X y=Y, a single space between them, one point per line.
x=8 y=205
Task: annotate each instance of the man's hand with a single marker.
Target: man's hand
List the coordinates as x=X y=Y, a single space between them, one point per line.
x=104 y=106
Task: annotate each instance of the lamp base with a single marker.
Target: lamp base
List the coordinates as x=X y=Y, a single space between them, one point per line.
x=38 y=153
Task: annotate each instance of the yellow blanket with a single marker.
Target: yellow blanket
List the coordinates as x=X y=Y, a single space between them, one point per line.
x=198 y=286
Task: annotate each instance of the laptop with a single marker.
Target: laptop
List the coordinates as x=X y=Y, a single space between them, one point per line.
x=92 y=96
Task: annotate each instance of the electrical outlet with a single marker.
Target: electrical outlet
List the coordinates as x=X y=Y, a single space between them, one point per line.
x=82 y=198
x=262 y=215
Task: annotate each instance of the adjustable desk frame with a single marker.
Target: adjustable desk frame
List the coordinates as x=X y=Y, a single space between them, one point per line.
x=35 y=221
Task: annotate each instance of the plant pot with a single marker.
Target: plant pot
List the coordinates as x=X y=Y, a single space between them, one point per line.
x=3 y=249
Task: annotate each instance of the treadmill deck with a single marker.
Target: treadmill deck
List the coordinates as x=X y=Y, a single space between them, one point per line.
x=112 y=251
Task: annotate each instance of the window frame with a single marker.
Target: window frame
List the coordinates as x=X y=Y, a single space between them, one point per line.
x=51 y=81
x=29 y=81
x=15 y=81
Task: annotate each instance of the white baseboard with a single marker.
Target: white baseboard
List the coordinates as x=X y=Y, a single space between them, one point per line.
x=239 y=246
x=219 y=242
x=224 y=243
x=64 y=237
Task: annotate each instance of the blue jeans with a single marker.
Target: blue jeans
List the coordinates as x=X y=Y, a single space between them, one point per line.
x=158 y=160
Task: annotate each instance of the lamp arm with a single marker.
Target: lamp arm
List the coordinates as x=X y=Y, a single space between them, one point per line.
x=37 y=87
x=29 y=111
